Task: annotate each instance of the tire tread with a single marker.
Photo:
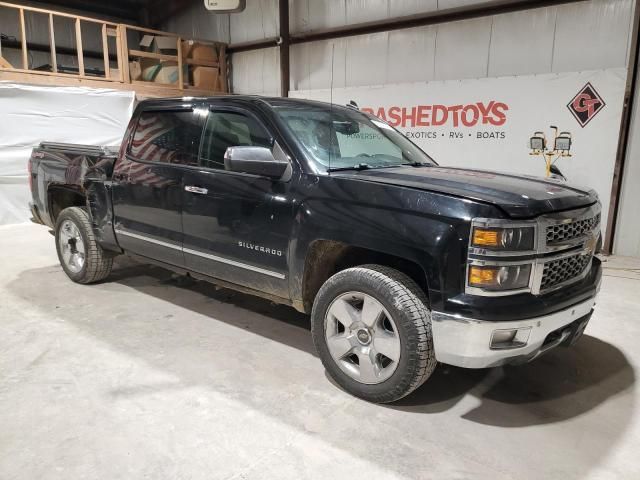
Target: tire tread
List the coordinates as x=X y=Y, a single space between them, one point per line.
x=98 y=262
x=409 y=298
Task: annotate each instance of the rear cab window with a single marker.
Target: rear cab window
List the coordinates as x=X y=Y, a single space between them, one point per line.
x=167 y=136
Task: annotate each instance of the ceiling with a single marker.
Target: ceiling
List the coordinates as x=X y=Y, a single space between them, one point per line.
x=147 y=13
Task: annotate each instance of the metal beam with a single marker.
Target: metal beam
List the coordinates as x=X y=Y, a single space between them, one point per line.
x=484 y=9
x=254 y=45
x=623 y=135
x=284 y=48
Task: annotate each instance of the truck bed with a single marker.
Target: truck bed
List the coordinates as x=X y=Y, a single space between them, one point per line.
x=66 y=166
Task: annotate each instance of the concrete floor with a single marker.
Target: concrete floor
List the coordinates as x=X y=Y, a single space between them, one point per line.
x=149 y=376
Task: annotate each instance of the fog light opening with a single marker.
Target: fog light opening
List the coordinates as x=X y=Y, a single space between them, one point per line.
x=510 y=338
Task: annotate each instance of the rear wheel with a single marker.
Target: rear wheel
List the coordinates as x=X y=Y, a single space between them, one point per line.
x=82 y=259
x=372 y=329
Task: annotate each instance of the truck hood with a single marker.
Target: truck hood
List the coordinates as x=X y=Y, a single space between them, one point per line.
x=519 y=196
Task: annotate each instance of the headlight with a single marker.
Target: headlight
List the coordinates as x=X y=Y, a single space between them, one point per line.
x=503 y=238
x=499 y=278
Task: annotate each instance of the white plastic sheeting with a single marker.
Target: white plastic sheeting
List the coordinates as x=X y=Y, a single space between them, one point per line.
x=32 y=114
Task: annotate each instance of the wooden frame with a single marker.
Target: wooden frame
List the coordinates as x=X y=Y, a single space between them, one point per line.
x=179 y=57
x=123 y=55
x=52 y=45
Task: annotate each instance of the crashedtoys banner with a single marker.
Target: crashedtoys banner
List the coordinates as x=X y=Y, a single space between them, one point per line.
x=486 y=123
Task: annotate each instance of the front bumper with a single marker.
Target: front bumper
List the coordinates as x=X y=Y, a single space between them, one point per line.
x=467 y=342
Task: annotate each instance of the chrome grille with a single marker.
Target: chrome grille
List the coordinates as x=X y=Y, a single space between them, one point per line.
x=562 y=270
x=567 y=231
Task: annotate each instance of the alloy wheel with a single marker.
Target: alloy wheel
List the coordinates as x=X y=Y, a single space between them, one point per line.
x=362 y=337
x=72 y=246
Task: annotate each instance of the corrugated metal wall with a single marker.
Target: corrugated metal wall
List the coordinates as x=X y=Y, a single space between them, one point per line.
x=582 y=36
x=627 y=239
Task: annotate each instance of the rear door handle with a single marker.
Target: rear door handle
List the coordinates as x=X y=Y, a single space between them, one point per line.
x=193 y=189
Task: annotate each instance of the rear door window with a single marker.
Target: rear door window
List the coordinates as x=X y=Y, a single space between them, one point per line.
x=226 y=129
x=167 y=136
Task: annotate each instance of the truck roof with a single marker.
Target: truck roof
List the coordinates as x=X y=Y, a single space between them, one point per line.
x=249 y=99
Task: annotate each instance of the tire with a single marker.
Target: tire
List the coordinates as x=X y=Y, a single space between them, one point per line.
x=373 y=336
x=82 y=259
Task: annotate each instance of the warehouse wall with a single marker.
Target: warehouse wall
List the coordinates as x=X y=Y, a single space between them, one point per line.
x=583 y=36
x=251 y=72
x=627 y=239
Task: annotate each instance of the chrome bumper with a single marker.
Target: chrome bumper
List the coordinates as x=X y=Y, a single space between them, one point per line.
x=466 y=342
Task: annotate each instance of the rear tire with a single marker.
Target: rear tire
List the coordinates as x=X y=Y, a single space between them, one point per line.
x=82 y=259
x=372 y=329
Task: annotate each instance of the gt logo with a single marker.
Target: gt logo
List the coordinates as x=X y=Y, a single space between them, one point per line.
x=586 y=104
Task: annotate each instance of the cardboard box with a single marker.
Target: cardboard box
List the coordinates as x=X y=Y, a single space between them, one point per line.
x=135 y=70
x=159 y=44
x=205 y=78
x=4 y=63
x=199 y=51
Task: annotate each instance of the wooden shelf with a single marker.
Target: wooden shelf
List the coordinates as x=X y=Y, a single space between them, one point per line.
x=156 y=56
x=142 y=89
x=117 y=77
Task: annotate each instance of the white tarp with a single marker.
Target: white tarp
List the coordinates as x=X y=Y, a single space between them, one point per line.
x=486 y=123
x=32 y=114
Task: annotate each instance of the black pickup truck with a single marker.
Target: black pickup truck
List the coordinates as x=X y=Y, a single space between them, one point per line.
x=401 y=263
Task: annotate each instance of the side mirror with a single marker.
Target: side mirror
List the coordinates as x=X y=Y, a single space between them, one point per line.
x=254 y=160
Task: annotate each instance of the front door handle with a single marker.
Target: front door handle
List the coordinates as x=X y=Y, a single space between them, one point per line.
x=193 y=189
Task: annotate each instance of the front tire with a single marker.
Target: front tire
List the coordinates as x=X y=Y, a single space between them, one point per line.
x=372 y=329
x=82 y=259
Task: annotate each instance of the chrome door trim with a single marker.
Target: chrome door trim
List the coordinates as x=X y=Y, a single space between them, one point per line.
x=147 y=239
x=246 y=266
x=215 y=258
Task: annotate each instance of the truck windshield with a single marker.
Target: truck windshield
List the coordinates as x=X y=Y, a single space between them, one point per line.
x=342 y=138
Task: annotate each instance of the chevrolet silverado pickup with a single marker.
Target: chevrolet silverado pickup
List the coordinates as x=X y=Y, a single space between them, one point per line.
x=400 y=262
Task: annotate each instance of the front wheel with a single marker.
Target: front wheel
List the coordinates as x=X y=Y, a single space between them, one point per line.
x=81 y=257
x=372 y=329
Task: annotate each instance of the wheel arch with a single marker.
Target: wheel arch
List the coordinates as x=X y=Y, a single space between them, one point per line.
x=325 y=258
x=60 y=197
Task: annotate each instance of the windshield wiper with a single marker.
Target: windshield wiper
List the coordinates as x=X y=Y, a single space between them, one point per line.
x=416 y=164
x=359 y=166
